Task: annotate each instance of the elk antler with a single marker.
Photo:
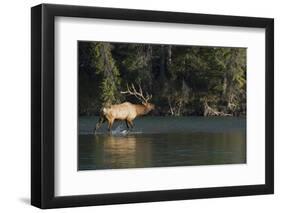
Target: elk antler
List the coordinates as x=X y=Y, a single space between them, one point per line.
x=138 y=94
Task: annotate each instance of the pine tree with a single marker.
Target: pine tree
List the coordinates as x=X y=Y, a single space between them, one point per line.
x=104 y=65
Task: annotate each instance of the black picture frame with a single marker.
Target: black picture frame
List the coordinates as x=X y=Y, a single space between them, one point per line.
x=42 y=105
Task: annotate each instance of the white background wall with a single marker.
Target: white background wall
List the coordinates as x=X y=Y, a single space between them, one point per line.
x=15 y=105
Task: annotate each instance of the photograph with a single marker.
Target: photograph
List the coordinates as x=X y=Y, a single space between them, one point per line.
x=140 y=105
x=144 y=105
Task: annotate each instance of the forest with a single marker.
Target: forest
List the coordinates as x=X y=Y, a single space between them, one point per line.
x=183 y=80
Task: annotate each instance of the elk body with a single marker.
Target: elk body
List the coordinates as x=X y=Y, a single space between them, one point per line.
x=126 y=111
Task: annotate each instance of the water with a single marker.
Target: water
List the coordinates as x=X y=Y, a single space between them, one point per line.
x=162 y=142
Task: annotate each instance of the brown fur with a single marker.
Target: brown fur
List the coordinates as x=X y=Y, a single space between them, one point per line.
x=126 y=112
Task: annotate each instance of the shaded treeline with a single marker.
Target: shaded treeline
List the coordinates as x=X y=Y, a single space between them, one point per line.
x=184 y=80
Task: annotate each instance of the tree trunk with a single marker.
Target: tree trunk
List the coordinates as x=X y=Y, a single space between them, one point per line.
x=162 y=62
x=169 y=55
x=208 y=111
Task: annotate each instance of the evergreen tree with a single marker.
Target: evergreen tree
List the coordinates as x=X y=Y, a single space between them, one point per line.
x=184 y=80
x=104 y=65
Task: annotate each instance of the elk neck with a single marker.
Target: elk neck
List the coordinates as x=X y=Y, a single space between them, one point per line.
x=142 y=109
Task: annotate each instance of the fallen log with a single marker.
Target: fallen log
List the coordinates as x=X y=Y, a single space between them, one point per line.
x=209 y=111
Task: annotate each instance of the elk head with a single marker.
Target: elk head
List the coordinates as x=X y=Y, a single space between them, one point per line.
x=139 y=95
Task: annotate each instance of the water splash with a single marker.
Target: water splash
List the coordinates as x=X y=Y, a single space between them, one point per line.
x=120 y=130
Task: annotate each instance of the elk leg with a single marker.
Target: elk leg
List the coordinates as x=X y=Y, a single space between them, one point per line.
x=100 y=122
x=127 y=124
x=110 y=124
x=131 y=124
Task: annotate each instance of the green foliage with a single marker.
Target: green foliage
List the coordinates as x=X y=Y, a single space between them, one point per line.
x=137 y=64
x=184 y=80
x=104 y=65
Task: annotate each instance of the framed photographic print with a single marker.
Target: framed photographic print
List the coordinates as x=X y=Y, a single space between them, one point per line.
x=139 y=106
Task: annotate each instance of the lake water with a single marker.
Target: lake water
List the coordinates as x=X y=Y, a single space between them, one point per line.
x=161 y=142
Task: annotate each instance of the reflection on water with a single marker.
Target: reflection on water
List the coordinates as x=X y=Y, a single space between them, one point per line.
x=117 y=151
x=170 y=148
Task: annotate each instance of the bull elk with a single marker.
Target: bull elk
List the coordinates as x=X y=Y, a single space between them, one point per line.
x=126 y=111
